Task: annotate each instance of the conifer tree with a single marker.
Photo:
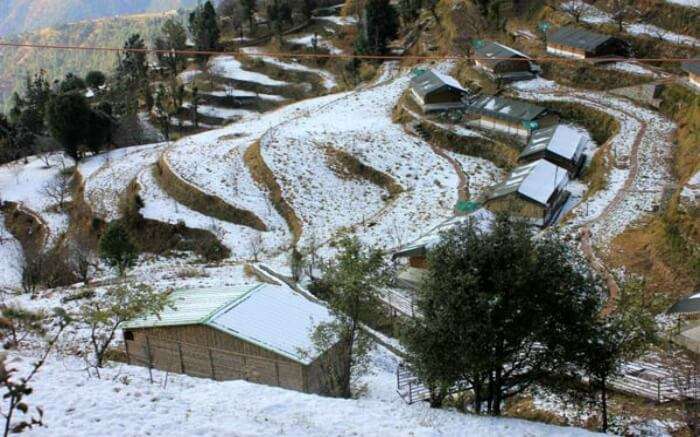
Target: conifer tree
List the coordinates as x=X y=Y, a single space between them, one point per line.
x=117 y=249
x=380 y=25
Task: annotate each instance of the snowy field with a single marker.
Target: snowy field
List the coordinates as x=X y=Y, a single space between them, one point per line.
x=327 y=79
x=10 y=259
x=217 y=112
x=633 y=68
x=308 y=40
x=231 y=68
x=123 y=402
x=221 y=171
x=594 y=15
x=481 y=173
x=107 y=175
x=27 y=185
x=654 y=151
x=159 y=206
x=361 y=125
x=230 y=91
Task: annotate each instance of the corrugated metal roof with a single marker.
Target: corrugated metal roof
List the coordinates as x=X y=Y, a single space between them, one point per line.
x=273 y=317
x=561 y=140
x=536 y=181
x=191 y=307
x=692 y=66
x=505 y=108
x=492 y=49
x=690 y=304
x=433 y=80
x=572 y=36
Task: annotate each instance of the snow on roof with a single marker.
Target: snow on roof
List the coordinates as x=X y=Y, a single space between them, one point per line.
x=493 y=49
x=542 y=181
x=432 y=80
x=561 y=140
x=509 y=109
x=537 y=181
x=273 y=317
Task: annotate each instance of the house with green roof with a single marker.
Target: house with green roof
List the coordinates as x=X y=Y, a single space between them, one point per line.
x=513 y=117
x=260 y=333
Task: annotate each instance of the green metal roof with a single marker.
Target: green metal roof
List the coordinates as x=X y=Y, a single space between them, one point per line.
x=192 y=307
x=505 y=108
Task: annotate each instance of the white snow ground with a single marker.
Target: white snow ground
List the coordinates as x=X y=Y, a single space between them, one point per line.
x=308 y=40
x=360 y=124
x=108 y=174
x=231 y=68
x=25 y=184
x=480 y=172
x=11 y=256
x=328 y=80
x=123 y=402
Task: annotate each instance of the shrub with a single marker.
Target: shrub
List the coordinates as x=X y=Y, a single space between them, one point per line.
x=116 y=248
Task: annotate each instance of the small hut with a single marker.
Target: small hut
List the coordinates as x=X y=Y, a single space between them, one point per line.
x=435 y=91
x=688 y=311
x=259 y=333
x=578 y=43
x=502 y=62
x=692 y=67
x=513 y=117
x=534 y=191
x=561 y=145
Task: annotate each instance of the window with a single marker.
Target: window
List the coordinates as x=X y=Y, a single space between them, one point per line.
x=128 y=335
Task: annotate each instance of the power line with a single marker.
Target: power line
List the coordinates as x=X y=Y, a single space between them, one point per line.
x=324 y=55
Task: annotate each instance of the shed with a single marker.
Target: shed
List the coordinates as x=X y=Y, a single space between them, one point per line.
x=435 y=91
x=579 y=43
x=514 y=117
x=502 y=62
x=260 y=333
x=561 y=145
x=692 y=67
x=535 y=191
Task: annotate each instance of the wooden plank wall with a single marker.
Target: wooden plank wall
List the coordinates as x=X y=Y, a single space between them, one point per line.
x=207 y=353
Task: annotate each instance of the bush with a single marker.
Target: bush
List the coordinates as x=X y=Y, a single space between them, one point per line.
x=116 y=248
x=211 y=250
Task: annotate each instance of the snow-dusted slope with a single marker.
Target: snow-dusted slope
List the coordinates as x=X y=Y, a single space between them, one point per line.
x=107 y=175
x=219 y=168
x=360 y=124
x=10 y=258
x=328 y=80
x=25 y=184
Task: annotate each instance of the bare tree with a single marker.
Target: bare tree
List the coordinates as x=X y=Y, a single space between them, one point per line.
x=256 y=246
x=16 y=389
x=575 y=8
x=82 y=258
x=58 y=188
x=620 y=12
x=311 y=253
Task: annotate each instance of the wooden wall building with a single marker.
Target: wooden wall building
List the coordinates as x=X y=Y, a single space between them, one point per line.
x=257 y=333
x=434 y=91
x=513 y=117
x=502 y=62
x=561 y=145
x=578 y=43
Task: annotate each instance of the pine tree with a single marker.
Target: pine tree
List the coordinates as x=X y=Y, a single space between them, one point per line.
x=249 y=8
x=132 y=76
x=95 y=79
x=498 y=301
x=353 y=282
x=71 y=83
x=68 y=116
x=173 y=39
x=380 y=25
x=204 y=27
x=117 y=249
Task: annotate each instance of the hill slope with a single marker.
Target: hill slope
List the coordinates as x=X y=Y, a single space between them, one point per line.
x=18 y=16
x=107 y=32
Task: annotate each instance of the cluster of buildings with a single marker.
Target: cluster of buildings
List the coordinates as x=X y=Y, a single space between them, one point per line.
x=551 y=153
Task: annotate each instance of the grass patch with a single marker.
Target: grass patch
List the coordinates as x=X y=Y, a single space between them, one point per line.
x=263 y=176
x=346 y=165
x=588 y=76
x=207 y=204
